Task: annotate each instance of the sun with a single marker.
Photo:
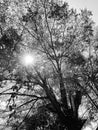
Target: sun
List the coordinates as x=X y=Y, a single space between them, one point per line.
x=27 y=59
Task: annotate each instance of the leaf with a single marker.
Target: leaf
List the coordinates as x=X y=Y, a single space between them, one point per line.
x=15 y=88
x=10 y=107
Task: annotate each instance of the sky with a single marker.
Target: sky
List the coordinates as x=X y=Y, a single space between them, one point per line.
x=91 y=5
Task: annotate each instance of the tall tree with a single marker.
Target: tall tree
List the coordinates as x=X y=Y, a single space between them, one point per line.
x=49 y=92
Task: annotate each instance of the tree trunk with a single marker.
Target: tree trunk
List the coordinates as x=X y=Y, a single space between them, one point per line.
x=75 y=124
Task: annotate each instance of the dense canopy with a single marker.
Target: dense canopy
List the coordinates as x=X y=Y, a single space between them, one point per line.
x=48 y=65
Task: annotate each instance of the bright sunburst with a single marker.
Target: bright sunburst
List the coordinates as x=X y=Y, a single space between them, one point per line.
x=28 y=59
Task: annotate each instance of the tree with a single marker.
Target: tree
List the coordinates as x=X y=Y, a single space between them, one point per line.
x=48 y=93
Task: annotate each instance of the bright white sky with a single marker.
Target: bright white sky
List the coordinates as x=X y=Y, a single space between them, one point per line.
x=89 y=4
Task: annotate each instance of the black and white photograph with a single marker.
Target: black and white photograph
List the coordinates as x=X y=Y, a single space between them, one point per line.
x=48 y=64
